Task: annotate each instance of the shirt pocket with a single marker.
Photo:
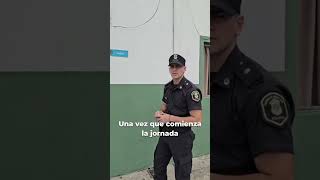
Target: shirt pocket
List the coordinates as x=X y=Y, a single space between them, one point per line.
x=180 y=103
x=227 y=127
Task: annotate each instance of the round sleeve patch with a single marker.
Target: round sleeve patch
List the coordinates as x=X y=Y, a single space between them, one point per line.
x=274 y=109
x=195 y=95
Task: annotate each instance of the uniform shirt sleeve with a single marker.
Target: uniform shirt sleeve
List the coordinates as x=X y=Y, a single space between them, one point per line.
x=164 y=97
x=194 y=97
x=268 y=117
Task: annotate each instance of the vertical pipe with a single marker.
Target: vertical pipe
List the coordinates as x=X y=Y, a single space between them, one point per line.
x=173 y=17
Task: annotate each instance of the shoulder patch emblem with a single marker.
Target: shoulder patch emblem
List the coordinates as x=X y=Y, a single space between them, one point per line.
x=274 y=109
x=195 y=95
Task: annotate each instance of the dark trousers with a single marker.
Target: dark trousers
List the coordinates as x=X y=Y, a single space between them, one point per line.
x=180 y=148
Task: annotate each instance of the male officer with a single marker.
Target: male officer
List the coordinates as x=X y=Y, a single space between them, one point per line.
x=181 y=103
x=251 y=112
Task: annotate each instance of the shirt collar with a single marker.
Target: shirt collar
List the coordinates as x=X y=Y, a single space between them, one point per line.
x=224 y=76
x=180 y=85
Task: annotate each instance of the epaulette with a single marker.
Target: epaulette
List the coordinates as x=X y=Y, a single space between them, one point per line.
x=187 y=84
x=249 y=72
x=167 y=85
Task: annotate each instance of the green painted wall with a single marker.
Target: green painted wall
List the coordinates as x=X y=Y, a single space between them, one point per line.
x=53 y=125
x=129 y=150
x=307 y=145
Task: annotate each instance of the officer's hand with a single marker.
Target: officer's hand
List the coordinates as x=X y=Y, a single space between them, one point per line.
x=164 y=117
x=157 y=114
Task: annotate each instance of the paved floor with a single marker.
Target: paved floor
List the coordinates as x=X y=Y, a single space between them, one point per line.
x=200 y=171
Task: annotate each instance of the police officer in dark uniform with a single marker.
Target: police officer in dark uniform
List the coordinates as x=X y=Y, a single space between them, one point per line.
x=181 y=103
x=251 y=112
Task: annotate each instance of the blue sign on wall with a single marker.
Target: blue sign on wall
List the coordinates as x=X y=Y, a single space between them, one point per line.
x=119 y=53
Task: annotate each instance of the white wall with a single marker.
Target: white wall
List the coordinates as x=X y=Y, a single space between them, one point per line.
x=151 y=44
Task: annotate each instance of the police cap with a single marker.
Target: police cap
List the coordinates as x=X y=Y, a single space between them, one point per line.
x=225 y=7
x=177 y=59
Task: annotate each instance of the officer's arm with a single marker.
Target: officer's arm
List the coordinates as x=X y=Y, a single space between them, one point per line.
x=272 y=166
x=194 y=106
x=195 y=116
x=163 y=107
x=270 y=137
x=276 y=166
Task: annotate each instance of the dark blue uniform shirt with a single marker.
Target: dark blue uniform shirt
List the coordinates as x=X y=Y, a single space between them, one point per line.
x=251 y=113
x=180 y=100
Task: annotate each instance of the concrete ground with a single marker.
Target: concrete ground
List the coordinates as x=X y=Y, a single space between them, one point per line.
x=200 y=171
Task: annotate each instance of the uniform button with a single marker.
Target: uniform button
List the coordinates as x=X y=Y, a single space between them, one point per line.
x=226 y=81
x=180 y=87
x=241 y=62
x=247 y=70
x=187 y=84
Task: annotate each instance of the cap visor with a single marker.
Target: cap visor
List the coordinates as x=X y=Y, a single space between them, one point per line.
x=177 y=63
